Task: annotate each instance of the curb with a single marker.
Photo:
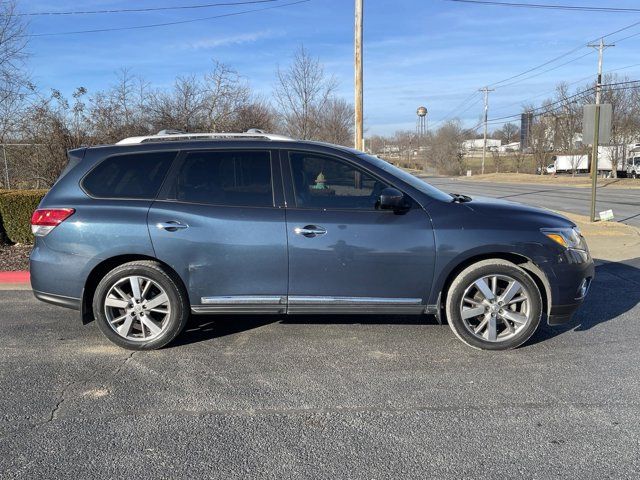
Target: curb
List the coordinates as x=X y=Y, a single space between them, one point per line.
x=19 y=277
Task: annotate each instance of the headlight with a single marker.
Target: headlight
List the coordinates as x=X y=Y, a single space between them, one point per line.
x=567 y=237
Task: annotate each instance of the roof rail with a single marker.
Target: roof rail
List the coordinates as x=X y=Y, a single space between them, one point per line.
x=168 y=136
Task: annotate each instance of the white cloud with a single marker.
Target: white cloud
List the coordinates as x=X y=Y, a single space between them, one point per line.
x=217 y=42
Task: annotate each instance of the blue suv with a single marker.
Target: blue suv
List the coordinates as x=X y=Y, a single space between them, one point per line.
x=141 y=234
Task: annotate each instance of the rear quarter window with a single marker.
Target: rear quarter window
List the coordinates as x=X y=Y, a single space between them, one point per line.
x=135 y=175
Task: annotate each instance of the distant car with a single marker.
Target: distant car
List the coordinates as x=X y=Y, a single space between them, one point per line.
x=141 y=234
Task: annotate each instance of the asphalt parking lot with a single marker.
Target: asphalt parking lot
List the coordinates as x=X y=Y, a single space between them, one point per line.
x=323 y=397
x=625 y=202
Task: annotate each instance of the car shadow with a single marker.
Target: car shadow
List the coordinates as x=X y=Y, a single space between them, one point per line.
x=614 y=291
x=207 y=327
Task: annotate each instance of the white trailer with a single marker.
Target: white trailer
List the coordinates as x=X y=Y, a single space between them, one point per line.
x=578 y=164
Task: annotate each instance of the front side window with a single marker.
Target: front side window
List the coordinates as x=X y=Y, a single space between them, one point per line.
x=321 y=181
x=234 y=178
x=135 y=175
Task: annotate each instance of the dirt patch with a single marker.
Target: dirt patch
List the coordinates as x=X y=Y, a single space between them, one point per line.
x=14 y=257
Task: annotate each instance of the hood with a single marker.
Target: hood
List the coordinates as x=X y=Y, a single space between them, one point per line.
x=513 y=211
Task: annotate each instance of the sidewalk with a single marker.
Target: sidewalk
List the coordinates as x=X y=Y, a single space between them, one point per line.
x=610 y=241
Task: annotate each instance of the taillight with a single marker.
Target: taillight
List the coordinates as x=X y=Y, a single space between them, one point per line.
x=46 y=219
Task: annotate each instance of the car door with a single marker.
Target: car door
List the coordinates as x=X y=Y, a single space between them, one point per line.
x=221 y=225
x=344 y=254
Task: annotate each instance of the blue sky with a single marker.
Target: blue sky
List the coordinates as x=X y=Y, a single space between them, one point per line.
x=430 y=52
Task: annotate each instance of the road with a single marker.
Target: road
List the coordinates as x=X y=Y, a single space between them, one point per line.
x=625 y=202
x=323 y=397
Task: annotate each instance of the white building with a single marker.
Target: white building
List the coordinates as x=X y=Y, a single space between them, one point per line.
x=509 y=147
x=478 y=144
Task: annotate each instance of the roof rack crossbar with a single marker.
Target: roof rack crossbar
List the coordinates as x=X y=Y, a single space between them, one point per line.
x=202 y=136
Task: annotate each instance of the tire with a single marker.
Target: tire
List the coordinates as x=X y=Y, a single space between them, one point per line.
x=154 y=320
x=499 y=332
x=634 y=175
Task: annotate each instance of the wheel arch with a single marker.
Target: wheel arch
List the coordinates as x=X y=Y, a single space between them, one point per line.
x=538 y=276
x=101 y=269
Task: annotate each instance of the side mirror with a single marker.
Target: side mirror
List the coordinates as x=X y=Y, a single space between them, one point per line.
x=391 y=199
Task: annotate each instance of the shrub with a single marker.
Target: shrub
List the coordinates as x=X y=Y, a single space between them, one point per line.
x=16 y=207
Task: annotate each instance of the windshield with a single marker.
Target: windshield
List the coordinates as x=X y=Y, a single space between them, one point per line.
x=406 y=177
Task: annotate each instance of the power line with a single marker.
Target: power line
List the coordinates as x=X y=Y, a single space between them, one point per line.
x=546 y=71
x=583 y=79
x=566 y=54
x=551 y=108
x=165 y=24
x=547 y=6
x=136 y=10
x=452 y=113
x=545 y=108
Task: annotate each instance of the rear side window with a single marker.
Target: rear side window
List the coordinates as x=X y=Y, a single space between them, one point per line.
x=234 y=178
x=136 y=175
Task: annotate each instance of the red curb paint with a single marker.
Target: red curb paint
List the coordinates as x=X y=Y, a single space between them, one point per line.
x=14 y=277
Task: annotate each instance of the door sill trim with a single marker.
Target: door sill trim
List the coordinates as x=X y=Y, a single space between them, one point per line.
x=302 y=304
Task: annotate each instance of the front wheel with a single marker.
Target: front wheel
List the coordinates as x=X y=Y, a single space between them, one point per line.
x=140 y=306
x=494 y=305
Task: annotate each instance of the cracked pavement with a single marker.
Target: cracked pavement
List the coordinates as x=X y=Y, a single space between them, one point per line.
x=323 y=397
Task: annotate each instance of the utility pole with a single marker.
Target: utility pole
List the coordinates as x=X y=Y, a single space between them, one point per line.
x=359 y=120
x=596 y=128
x=486 y=91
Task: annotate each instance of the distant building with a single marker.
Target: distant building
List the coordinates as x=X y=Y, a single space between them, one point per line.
x=478 y=144
x=526 y=120
x=509 y=147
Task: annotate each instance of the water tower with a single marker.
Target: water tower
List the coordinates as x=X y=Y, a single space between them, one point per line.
x=421 y=124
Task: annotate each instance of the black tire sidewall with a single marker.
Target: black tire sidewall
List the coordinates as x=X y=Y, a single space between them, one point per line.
x=177 y=298
x=470 y=275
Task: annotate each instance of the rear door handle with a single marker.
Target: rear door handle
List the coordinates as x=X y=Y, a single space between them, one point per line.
x=171 y=226
x=310 y=231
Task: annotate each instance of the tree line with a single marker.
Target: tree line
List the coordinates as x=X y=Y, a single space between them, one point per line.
x=304 y=104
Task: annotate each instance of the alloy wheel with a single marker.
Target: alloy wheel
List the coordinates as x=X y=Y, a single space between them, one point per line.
x=137 y=308
x=495 y=308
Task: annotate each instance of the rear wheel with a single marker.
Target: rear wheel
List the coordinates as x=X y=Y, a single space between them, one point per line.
x=140 y=306
x=494 y=305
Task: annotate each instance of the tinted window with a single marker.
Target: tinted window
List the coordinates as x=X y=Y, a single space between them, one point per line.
x=326 y=182
x=237 y=178
x=137 y=175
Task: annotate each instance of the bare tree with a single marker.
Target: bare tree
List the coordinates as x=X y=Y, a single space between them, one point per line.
x=225 y=93
x=519 y=158
x=498 y=160
x=122 y=110
x=56 y=125
x=14 y=82
x=336 y=122
x=182 y=107
x=446 y=148
x=258 y=113
x=302 y=92
x=508 y=133
x=540 y=144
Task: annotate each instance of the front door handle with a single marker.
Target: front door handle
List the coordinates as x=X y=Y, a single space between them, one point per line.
x=310 y=231
x=171 y=226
